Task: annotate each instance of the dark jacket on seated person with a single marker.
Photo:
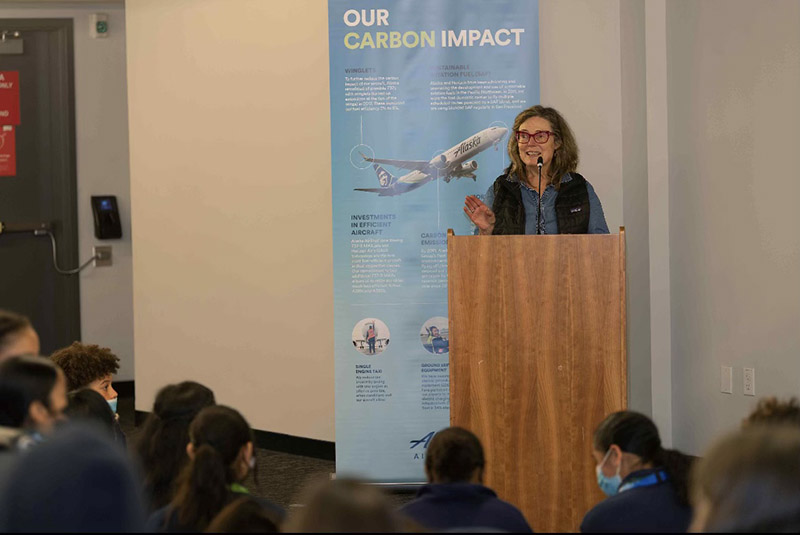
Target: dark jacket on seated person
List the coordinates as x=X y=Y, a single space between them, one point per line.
x=459 y=505
x=649 y=508
x=165 y=520
x=76 y=481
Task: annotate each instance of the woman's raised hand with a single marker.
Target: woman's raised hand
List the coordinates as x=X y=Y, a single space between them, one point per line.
x=480 y=214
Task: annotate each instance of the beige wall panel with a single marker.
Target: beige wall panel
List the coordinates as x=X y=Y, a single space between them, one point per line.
x=734 y=132
x=230 y=167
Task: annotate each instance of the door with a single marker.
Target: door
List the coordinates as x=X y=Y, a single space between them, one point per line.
x=43 y=190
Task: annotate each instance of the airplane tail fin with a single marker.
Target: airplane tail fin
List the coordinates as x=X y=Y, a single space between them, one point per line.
x=385 y=178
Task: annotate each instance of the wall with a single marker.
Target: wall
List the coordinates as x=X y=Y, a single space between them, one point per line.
x=101 y=125
x=212 y=169
x=734 y=132
x=231 y=191
x=635 y=188
x=209 y=93
x=593 y=70
x=660 y=311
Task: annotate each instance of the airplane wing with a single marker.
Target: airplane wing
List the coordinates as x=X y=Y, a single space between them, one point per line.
x=372 y=190
x=413 y=165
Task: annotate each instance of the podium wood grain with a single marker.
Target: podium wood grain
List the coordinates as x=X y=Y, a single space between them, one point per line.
x=537 y=360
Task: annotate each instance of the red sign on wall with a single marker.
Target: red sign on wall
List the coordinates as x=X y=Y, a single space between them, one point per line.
x=8 y=151
x=9 y=97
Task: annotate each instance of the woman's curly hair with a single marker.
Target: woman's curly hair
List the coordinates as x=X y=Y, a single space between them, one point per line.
x=85 y=363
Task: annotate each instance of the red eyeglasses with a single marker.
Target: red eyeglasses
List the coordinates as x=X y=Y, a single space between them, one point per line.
x=540 y=136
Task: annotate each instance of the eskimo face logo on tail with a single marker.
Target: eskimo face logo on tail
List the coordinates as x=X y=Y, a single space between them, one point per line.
x=467 y=145
x=445 y=165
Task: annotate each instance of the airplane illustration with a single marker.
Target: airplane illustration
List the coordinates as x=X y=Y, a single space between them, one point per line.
x=453 y=163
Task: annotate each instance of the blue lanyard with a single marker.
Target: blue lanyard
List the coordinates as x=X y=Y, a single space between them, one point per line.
x=646 y=481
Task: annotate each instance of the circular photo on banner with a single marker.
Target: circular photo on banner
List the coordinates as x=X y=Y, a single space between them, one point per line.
x=435 y=336
x=370 y=336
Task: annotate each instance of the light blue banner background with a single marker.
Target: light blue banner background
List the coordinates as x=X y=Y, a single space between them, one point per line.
x=382 y=428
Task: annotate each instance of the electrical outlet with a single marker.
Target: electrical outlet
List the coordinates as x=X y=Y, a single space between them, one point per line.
x=103 y=255
x=726 y=380
x=749 y=381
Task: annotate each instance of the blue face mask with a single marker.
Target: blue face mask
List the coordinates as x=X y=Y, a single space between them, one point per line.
x=113 y=404
x=609 y=485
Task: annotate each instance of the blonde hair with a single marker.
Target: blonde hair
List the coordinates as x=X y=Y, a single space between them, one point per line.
x=565 y=157
x=344 y=506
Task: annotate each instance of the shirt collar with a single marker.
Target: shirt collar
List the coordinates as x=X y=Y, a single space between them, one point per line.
x=238 y=488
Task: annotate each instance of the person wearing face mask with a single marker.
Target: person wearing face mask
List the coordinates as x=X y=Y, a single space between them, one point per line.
x=221 y=456
x=646 y=485
x=91 y=366
x=569 y=204
x=33 y=396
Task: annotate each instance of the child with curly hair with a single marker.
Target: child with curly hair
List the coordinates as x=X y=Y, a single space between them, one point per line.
x=91 y=366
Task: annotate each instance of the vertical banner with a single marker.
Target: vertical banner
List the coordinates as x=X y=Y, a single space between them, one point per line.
x=423 y=97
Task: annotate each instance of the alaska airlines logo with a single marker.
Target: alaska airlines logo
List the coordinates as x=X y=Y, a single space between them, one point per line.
x=383 y=177
x=467 y=145
x=424 y=441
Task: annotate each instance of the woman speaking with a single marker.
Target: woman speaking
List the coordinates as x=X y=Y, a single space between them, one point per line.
x=541 y=141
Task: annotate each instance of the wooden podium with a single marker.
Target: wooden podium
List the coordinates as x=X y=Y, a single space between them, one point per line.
x=537 y=360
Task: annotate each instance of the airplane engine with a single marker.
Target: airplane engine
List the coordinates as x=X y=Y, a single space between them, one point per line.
x=469 y=166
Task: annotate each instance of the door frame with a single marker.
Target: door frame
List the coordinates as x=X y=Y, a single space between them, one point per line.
x=63 y=179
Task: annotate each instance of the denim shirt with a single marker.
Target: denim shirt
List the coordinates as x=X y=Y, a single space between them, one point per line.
x=530 y=199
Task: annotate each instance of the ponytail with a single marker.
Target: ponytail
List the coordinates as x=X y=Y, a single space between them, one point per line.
x=679 y=466
x=203 y=490
x=161 y=445
x=637 y=434
x=217 y=435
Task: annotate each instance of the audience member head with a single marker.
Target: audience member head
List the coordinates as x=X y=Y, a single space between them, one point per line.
x=161 y=444
x=244 y=515
x=627 y=441
x=750 y=482
x=454 y=455
x=33 y=392
x=343 y=506
x=89 y=366
x=17 y=336
x=221 y=453
x=77 y=481
x=89 y=406
x=771 y=410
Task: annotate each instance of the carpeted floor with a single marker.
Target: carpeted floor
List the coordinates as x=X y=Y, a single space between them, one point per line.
x=281 y=476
